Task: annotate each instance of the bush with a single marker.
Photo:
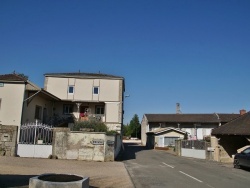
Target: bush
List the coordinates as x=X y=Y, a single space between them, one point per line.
x=92 y=124
x=110 y=133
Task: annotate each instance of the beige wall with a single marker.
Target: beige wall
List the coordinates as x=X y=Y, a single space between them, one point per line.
x=29 y=110
x=12 y=96
x=112 y=112
x=108 y=89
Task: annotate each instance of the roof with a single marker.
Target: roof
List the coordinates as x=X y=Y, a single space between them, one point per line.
x=190 y=118
x=12 y=77
x=239 y=126
x=83 y=75
x=161 y=130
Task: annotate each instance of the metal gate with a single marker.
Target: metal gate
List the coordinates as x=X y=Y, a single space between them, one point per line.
x=35 y=140
x=194 y=148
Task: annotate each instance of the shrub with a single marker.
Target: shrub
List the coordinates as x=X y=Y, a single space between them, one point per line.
x=92 y=124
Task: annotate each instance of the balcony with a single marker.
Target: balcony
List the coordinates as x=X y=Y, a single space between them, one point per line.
x=98 y=117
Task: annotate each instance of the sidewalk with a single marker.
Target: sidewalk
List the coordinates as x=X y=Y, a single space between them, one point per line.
x=16 y=171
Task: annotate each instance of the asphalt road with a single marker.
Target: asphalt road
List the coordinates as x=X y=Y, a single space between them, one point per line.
x=152 y=168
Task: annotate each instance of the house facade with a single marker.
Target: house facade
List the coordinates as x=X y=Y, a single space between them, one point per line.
x=21 y=102
x=197 y=126
x=86 y=95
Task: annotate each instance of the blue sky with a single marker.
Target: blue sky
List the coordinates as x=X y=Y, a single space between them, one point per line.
x=195 y=52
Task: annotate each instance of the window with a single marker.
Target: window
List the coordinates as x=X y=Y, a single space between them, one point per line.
x=96 y=90
x=67 y=108
x=38 y=112
x=1 y=84
x=99 y=110
x=70 y=89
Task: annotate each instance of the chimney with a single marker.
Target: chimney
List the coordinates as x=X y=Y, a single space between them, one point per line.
x=242 y=112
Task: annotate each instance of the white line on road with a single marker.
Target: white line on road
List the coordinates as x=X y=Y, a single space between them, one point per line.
x=168 y=165
x=210 y=186
x=191 y=177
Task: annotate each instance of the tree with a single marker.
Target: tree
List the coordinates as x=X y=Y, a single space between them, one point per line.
x=135 y=127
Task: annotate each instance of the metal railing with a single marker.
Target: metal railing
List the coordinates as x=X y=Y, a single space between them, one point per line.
x=32 y=132
x=193 y=144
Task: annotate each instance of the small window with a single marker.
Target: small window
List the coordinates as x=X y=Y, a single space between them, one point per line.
x=1 y=84
x=99 y=110
x=71 y=89
x=96 y=90
x=67 y=109
x=38 y=112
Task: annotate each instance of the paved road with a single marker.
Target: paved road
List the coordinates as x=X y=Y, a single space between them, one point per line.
x=151 y=168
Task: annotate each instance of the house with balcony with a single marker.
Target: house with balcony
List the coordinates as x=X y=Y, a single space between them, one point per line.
x=88 y=95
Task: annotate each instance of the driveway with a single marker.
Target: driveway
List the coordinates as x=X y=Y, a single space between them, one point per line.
x=16 y=171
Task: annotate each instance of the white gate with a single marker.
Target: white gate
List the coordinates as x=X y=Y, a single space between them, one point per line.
x=193 y=148
x=35 y=140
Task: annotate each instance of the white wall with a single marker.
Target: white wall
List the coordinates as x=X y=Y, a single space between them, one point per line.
x=12 y=96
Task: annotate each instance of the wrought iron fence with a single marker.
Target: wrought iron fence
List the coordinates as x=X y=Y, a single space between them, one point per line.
x=32 y=133
x=193 y=144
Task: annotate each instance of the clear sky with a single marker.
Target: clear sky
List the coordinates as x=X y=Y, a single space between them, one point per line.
x=195 y=52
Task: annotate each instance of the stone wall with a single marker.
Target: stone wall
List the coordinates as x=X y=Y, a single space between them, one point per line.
x=8 y=140
x=86 y=146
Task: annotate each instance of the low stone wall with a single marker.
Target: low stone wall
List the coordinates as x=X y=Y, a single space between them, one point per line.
x=86 y=146
x=8 y=140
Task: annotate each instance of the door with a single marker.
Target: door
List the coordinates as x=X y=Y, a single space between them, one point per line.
x=45 y=115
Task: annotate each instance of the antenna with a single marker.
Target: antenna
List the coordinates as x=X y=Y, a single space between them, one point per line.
x=178 y=108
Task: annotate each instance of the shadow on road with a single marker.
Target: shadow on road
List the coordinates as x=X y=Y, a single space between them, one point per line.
x=20 y=181
x=130 y=149
x=15 y=180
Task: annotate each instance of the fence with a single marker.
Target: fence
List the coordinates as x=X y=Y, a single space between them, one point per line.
x=193 y=144
x=194 y=148
x=35 y=140
x=32 y=132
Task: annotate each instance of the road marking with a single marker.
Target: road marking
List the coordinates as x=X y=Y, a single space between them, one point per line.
x=168 y=165
x=191 y=177
x=210 y=186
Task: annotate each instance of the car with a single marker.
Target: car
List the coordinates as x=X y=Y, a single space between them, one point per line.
x=242 y=159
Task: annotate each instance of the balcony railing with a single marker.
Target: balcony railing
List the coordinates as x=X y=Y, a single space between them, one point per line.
x=98 y=117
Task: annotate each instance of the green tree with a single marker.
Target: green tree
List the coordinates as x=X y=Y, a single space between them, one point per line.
x=135 y=127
